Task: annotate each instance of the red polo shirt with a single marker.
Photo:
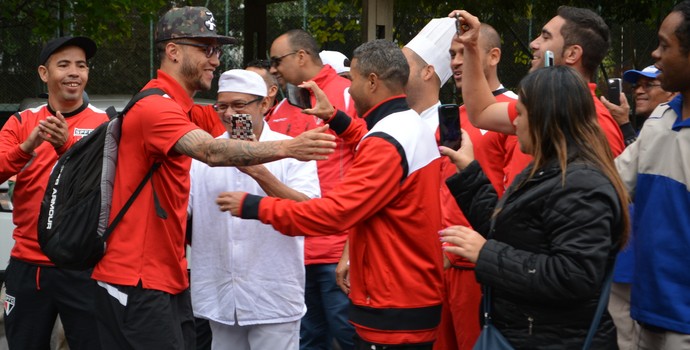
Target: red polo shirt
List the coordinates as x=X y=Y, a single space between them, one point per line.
x=145 y=247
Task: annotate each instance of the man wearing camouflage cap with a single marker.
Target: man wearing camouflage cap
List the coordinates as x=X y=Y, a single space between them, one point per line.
x=143 y=301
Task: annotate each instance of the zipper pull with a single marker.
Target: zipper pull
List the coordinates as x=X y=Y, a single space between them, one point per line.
x=531 y=320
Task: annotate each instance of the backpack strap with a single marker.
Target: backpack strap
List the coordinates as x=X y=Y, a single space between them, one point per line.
x=140 y=95
x=111 y=112
x=131 y=199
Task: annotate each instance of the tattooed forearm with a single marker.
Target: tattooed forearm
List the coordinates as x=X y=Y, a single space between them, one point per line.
x=233 y=152
x=200 y=145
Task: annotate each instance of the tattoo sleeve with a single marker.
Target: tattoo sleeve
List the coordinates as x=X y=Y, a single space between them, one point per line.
x=200 y=145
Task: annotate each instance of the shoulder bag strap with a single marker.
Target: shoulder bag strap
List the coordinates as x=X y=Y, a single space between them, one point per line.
x=601 y=306
x=486 y=290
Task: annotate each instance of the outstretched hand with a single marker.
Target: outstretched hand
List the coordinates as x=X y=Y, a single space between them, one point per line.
x=231 y=202
x=314 y=144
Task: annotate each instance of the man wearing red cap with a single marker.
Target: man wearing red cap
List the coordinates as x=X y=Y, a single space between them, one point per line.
x=143 y=299
x=30 y=143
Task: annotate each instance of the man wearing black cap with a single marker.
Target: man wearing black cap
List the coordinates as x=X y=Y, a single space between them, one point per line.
x=30 y=143
x=143 y=301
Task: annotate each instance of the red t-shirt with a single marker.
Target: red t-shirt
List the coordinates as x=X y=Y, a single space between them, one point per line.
x=207 y=119
x=145 y=247
x=612 y=131
x=33 y=171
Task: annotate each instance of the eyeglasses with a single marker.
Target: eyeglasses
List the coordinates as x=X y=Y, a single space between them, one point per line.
x=645 y=86
x=235 y=105
x=209 y=49
x=275 y=61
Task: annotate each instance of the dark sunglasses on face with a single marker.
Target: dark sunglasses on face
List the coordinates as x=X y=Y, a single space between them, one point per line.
x=210 y=50
x=275 y=61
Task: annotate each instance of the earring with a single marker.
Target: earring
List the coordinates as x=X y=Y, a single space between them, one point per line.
x=175 y=60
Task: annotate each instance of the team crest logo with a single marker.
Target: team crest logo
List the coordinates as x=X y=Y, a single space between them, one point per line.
x=211 y=22
x=9 y=304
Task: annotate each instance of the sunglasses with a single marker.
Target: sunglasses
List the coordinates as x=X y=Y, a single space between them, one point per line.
x=275 y=61
x=210 y=50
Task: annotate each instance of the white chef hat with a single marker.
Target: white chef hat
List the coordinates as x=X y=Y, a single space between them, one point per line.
x=432 y=45
x=336 y=59
x=244 y=81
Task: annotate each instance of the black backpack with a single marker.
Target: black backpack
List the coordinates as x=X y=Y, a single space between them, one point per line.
x=73 y=222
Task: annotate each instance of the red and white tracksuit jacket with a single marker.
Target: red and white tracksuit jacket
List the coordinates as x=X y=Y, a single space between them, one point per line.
x=389 y=200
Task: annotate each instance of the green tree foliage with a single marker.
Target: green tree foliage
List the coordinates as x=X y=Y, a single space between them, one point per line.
x=100 y=20
x=332 y=25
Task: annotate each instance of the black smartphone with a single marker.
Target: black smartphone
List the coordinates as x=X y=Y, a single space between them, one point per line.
x=241 y=127
x=297 y=96
x=613 y=94
x=449 y=125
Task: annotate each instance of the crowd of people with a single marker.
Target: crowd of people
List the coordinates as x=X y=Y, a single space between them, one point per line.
x=347 y=223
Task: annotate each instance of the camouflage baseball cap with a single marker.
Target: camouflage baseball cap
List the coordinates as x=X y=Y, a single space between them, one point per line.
x=189 y=22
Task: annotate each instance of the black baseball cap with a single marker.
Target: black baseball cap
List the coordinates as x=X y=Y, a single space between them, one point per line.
x=84 y=43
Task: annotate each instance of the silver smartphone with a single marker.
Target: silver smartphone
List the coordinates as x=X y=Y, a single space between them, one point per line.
x=548 y=58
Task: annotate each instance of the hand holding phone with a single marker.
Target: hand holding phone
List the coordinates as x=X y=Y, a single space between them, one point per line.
x=298 y=97
x=449 y=126
x=242 y=127
x=613 y=93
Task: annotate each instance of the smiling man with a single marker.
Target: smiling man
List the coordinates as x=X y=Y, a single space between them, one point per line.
x=30 y=143
x=655 y=169
x=237 y=260
x=578 y=37
x=144 y=300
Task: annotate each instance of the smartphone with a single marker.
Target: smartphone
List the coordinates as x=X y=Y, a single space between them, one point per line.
x=449 y=126
x=548 y=58
x=241 y=127
x=297 y=96
x=613 y=94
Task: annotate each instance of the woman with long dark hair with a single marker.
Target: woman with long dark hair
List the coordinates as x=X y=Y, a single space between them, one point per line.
x=544 y=249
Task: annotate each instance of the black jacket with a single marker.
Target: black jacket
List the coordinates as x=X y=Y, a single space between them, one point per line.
x=550 y=248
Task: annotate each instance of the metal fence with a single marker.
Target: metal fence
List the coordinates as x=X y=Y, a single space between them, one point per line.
x=124 y=67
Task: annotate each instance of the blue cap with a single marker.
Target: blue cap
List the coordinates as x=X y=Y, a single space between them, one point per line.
x=632 y=75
